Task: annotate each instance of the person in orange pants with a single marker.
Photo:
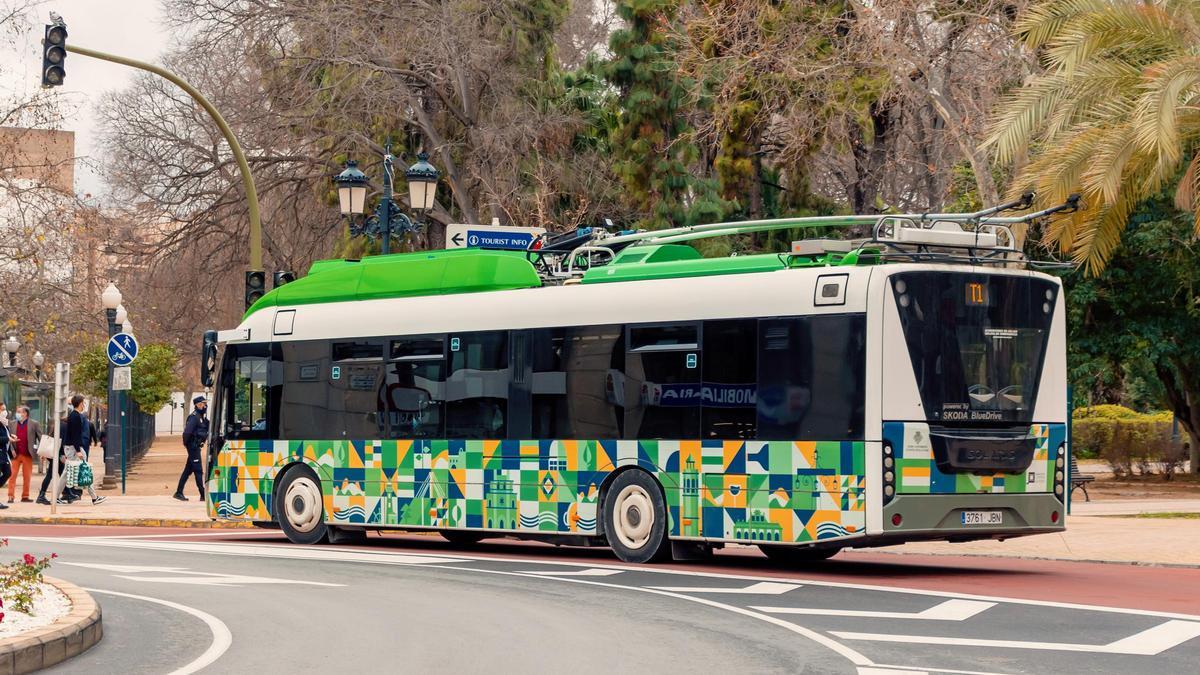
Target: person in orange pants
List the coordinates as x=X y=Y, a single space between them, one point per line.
x=24 y=436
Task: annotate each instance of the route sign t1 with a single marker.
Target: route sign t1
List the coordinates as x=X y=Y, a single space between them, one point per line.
x=122 y=349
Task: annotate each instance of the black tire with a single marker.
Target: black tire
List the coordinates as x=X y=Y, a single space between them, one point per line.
x=633 y=497
x=302 y=518
x=798 y=554
x=462 y=537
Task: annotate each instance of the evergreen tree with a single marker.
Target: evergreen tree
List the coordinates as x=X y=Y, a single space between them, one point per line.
x=650 y=141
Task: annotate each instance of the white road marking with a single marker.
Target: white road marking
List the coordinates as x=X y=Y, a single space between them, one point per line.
x=760 y=588
x=1149 y=642
x=950 y=610
x=269 y=551
x=872 y=670
x=123 y=568
x=591 y=572
x=192 y=578
x=210 y=579
x=382 y=558
x=222 y=638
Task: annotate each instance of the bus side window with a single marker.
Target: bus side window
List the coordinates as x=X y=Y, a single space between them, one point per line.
x=662 y=382
x=477 y=386
x=811 y=378
x=414 y=387
x=730 y=379
x=304 y=407
x=250 y=417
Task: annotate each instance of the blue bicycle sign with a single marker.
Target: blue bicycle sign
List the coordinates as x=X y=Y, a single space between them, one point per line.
x=122 y=349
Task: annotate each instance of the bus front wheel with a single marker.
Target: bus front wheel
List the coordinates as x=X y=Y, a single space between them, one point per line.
x=300 y=507
x=635 y=518
x=797 y=554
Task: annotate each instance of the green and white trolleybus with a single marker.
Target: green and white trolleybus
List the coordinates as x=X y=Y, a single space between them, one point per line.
x=619 y=389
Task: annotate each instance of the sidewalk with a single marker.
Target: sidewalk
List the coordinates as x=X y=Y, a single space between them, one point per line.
x=147 y=500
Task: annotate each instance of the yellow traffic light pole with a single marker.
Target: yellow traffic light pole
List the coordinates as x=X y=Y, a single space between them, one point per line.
x=256 y=263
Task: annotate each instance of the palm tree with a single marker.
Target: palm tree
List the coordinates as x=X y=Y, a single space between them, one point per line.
x=1115 y=115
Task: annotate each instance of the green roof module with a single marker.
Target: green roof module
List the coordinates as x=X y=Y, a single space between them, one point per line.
x=405 y=275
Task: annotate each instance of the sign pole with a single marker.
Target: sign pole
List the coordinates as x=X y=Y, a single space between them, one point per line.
x=59 y=386
x=124 y=427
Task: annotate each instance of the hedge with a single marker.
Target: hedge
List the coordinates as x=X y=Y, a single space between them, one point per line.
x=1128 y=440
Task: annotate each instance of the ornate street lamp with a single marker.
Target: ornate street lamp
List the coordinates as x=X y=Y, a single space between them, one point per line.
x=39 y=360
x=11 y=345
x=422 y=184
x=127 y=327
x=111 y=299
x=352 y=190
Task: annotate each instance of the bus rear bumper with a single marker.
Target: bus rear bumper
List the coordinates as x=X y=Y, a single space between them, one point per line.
x=942 y=516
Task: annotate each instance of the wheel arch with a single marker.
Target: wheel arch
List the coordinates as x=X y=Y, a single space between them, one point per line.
x=281 y=471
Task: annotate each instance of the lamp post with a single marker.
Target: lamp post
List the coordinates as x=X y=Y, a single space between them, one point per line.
x=123 y=399
x=39 y=360
x=11 y=345
x=422 y=180
x=111 y=299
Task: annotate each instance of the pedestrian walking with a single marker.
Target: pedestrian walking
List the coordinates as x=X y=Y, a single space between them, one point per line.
x=195 y=433
x=24 y=437
x=66 y=496
x=5 y=452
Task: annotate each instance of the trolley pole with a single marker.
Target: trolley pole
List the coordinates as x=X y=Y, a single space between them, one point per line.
x=256 y=264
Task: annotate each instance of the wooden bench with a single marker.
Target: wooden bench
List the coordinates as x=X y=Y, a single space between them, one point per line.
x=1080 y=480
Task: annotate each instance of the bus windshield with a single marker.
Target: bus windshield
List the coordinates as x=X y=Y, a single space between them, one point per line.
x=976 y=342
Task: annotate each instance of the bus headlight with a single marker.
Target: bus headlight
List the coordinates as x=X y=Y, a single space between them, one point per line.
x=888 y=462
x=889 y=491
x=889 y=477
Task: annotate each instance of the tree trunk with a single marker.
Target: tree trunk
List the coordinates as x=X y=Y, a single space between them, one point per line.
x=1185 y=403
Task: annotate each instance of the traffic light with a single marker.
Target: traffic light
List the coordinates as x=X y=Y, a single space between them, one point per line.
x=54 y=52
x=256 y=286
x=282 y=278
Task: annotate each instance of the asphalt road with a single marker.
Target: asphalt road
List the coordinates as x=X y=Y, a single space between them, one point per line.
x=246 y=601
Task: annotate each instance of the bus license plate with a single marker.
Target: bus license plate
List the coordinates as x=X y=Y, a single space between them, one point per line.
x=982 y=517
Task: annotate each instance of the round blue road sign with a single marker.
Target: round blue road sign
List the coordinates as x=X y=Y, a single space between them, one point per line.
x=122 y=349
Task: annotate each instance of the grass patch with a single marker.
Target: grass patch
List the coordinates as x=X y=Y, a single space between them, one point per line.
x=1169 y=514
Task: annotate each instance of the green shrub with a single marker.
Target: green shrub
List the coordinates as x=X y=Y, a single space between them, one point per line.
x=1107 y=411
x=1131 y=442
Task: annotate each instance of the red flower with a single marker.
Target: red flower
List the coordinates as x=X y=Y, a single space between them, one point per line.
x=29 y=559
x=53 y=556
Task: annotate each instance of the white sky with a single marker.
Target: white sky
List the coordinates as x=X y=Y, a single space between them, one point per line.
x=129 y=28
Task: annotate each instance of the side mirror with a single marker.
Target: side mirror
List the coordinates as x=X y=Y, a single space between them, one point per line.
x=208 y=358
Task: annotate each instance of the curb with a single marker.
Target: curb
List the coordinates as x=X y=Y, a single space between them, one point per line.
x=1043 y=558
x=126 y=522
x=68 y=637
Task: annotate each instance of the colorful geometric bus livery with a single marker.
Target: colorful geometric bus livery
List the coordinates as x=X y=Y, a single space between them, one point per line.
x=918 y=473
x=760 y=491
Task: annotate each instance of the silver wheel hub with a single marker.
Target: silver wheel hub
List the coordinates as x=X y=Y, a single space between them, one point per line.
x=633 y=519
x=302 y=504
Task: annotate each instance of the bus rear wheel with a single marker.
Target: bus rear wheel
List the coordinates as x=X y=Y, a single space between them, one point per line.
x=635 y=518
x=797 y=554
x=300 y=508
